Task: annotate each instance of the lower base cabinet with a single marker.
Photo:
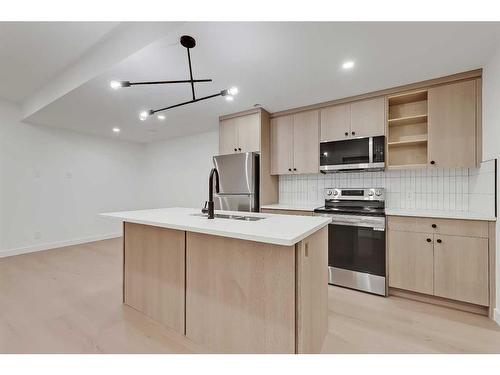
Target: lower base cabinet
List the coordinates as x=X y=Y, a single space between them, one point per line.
x=411 y=261
x=461 y=268
x=455 y=265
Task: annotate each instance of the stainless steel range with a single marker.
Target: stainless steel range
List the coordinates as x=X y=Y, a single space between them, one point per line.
x=356 y=238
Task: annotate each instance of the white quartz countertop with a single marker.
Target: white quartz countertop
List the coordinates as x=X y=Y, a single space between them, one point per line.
x=466 y=215
x=291 y=207
x=274 y=229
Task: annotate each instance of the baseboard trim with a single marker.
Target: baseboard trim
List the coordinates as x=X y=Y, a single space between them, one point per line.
x=439 y=301
x=496 y=316
x=55 y=245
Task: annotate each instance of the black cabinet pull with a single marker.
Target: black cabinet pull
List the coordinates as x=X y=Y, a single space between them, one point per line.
x=433 y=162
x=235 y=149
x=439 y=241
x=346 y=134
x=429 y=240
x=434 y=225
x=239 y=149
x=294 y=169
x=353 y=133
x=289 y=169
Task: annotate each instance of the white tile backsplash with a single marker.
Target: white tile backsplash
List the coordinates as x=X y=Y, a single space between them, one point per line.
x=453 y=189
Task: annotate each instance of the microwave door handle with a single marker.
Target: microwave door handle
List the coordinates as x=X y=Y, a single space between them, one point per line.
x=370 y=150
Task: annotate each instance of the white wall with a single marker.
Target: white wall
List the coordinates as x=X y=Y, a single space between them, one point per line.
x=491 y=139
x=53 y=184
x=177 y=170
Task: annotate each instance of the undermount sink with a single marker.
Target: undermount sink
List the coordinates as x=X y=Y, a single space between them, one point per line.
x=233 y=217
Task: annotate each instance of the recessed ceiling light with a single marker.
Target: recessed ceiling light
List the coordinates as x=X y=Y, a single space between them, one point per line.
x=348 y=65
x=161 y=117
x=116 y=130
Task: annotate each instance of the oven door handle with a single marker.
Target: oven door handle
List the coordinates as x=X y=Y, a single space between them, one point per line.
x=380 y=228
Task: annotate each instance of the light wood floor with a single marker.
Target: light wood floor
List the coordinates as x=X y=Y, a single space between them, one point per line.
x=69 y=301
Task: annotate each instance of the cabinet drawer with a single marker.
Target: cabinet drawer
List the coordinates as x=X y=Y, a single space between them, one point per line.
x=469 y=228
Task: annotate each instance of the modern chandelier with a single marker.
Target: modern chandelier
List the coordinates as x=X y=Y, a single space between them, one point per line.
x=188 y=42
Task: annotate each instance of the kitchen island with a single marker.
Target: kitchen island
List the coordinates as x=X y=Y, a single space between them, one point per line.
x=239 y=283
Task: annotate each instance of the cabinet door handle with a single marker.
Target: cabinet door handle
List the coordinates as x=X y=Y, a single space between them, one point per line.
x=434 y=225
x=235 y=149
x=294 y=169
x=429 y=240
x=433 y=162
x=439 y=240
x=239 y=149
x=353 y=133
x=289 y=169
x=346 y=134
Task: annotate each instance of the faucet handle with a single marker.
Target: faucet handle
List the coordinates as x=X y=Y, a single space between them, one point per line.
x=204 y=210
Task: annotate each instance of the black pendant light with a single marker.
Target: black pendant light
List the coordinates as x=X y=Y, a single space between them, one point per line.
x=188 y=42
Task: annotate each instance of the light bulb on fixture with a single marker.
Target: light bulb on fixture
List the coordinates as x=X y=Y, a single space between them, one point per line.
x=117 y=84
x=348 y=65
x=143 y=116
x=160 y=117
x=229 y=98
x=233 y=91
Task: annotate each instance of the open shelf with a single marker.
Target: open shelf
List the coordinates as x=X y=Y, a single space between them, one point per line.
x=411 y=97
x=408 y=142
x=408 y=120
x=407 y=130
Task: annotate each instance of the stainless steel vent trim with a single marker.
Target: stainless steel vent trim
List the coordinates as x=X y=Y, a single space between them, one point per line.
x=346 y=167
x=357 y=280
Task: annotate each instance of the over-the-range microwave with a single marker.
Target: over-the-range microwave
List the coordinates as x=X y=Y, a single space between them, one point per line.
x=351 y=155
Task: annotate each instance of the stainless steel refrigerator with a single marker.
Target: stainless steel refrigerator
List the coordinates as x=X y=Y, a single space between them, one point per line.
x=238 y=182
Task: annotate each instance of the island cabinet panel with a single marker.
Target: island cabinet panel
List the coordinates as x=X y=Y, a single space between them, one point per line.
x=312 y=292
x=240 y=295
x=154 y=273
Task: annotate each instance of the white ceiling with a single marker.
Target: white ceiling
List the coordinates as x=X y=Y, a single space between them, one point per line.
x=279 y=65
x=31 y=53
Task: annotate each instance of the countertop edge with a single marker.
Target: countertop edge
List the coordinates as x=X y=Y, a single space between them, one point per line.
x=221 y=233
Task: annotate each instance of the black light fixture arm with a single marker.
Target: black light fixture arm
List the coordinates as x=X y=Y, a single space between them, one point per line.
x=152 y=112
x=187 y=42
x=191 y=81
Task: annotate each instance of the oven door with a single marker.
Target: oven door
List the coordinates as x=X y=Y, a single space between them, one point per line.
x=356 y=254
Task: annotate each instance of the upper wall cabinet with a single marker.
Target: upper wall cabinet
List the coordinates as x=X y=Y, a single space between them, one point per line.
x=452 y=125
x=239 y=134
x=364 y=118
x=434 y=127
x=295 y=143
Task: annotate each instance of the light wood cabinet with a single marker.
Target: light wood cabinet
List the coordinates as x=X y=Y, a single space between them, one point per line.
x=282 y=145
x=306 y=142
x=368 y=118
x=228 y=137
x=461 y=268
x=335 y=123
x=441 y=257
x=295 y=143
x=364 y=118
x=240 y=134
x=411 y=261
x=452 y=125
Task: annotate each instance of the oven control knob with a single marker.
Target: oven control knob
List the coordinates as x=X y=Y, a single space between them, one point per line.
x=335 y=193
x=328 y=192
x=378 y=193
x=370 y=193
